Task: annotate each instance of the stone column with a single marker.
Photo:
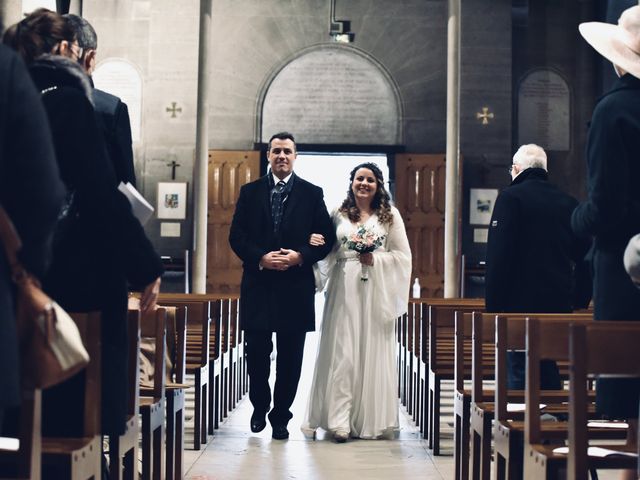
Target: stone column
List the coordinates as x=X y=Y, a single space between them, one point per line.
x=452 y=203
x=75 y=7
x=10 y=13
x=200 y=180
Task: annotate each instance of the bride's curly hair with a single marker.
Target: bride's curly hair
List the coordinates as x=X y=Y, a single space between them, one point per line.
x=381 y=199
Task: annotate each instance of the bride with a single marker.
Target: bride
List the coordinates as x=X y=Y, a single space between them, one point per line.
x=354 y=390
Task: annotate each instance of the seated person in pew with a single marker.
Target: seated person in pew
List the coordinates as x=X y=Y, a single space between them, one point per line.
x=534 y=260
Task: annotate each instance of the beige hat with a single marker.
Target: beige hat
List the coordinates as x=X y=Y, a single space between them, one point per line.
x=620 y=44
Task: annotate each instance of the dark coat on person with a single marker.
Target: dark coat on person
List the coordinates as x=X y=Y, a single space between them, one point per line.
x=116 y=126
x=532 y=251
x=30 y=191
x=611 y=215
x=99 y=244
x=279 y=300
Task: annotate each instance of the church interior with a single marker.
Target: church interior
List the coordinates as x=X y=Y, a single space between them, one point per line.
x=439 y=94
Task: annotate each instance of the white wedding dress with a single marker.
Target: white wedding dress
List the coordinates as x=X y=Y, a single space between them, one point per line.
x=355 y=382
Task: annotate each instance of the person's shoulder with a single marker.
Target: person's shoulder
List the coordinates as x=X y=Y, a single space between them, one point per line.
x=105 y=102
x=253 y=185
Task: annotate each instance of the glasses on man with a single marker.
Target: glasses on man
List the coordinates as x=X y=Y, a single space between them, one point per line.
x=511 y=169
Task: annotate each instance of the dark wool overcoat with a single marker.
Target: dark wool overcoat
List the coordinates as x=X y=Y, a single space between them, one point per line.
x=30 y=191
x=99 y=245
x=611 y=215
x=532 y=251
x=116 y=126
x=274 y=300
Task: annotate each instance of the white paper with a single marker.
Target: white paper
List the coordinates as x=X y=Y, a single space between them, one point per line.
x=169 y=229
x=480 y=235
x=139 y=205
x=622 y=425
x=520 y=407
x=595 y=452
x=9 y=444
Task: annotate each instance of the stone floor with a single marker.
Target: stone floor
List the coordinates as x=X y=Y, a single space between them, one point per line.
x=236 y=453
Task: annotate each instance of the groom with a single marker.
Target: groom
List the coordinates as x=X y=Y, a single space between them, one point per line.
x=274 y=218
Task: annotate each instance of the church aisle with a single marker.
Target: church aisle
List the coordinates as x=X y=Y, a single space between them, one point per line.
x=237 y=453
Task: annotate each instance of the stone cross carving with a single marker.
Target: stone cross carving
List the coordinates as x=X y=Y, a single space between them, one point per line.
x=485 y=115
x=173 y=166
x=173 y=110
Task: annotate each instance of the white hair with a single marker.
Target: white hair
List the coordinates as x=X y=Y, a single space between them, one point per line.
x=530 y=156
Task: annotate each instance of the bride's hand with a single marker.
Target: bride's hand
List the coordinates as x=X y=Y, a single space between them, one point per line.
x=366 y=258
x=316 y=240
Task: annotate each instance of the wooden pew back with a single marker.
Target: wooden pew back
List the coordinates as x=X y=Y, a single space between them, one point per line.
x=599 y=349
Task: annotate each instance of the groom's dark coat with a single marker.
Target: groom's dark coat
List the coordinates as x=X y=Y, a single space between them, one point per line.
x=272 y=300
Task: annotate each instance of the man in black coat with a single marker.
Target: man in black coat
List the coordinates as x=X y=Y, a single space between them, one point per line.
x=112 y=112
x=274 y=218
x=31 y=192
x=532 y=253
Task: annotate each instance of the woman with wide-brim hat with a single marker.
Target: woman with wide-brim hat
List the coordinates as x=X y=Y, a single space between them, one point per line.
x=611 y=213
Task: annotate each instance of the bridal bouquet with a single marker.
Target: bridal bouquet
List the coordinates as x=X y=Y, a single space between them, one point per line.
x=363 y=240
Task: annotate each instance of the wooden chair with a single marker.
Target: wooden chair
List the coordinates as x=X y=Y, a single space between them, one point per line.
x=175 y=392
x=225 y=366
x=123 y=449
x=81 y=458
x=197 y=354
x=24 y=463
x=442 y=355
x=152 y=402
x=465 y=337
x=509 y=428
x=215 y=369
x=597 y=348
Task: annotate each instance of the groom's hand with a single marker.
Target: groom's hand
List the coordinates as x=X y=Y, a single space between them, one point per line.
x=291 y=258
x=273 y=261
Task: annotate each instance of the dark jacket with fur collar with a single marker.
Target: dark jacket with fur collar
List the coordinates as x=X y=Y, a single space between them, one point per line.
x=99 y=245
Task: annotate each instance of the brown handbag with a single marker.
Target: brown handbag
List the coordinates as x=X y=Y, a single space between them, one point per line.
x=51 y=349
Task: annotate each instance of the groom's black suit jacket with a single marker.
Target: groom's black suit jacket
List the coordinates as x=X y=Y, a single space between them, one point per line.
x=272 y=300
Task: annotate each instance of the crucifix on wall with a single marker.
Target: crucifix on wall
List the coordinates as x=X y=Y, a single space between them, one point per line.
x=173 y=166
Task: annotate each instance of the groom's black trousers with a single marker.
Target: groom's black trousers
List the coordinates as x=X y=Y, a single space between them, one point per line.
x=290 y=347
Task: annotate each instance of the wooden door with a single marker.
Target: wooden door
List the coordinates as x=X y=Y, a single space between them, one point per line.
x=228 y=171
x=420 y=197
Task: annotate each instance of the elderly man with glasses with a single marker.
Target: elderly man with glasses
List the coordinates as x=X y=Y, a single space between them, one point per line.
x=535 y=263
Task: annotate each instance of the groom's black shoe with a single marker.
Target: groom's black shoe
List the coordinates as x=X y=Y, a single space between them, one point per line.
x=258 y=421
x=280 y=432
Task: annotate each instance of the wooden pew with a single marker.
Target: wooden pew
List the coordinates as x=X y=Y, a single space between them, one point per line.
x=24 y=463
x=175 y=392
x=441 y=354
x=465 y=368
x=81 y=458
x=509 y=429
x=123 y=449
x=152 y=403
x=197 y=353
x=483 y=404
x=596 y=348
x=600 y=349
